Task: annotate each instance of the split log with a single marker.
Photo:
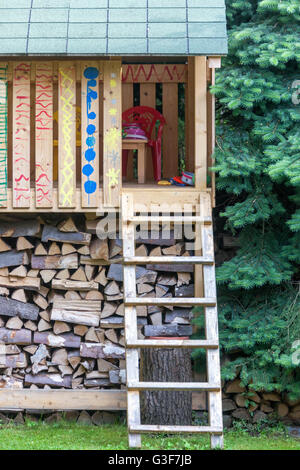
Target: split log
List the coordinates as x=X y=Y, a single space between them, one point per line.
x=4 y=246
x=168 y=330
x=13 y=258
x=79 y=275
x=178 y=313
x=115 y=273
x=15 y=361
x=66 y=284
x=55 y=262
x=14 y=323
x=80 y=312
x=47 y=275
x=99 y=249
x=23 y=244
x=53 y=234
x=185 y=291
x=66 y=340
x=30 y=283
x=54 y=380
x=60 y=327
x=19 y=295
x=158 y=239
x=173 y=268
x=40 y=250
x=101 y=351
x=21 y=337
x=67 y=225
x=112 y=322
x=54 y=249
x=10 y=308
x=67 y=249
x=19 y=271
x=23 y=228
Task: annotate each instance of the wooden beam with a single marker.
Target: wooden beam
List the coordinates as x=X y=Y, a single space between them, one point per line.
x=113 y=400
x=44 y=135
x=21 y=135
x=211 y=135
x=3 y=132
x=90 y=134
x=200 y=123
x=67 y=134
x=112 y=141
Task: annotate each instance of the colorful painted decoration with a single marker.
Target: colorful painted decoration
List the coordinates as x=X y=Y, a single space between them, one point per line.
x=88 y=170
x=3 y=134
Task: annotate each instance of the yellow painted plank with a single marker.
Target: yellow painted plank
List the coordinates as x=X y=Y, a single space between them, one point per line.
x=21 y=135
x=3 y=132
x=44 y=135
x=90 y=133
x=112 y=154
x=67 y=134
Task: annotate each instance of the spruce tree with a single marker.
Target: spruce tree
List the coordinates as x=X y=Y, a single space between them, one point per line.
x=258 y=180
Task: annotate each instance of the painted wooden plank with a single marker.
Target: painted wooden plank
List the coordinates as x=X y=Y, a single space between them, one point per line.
x=21 y=135
x=67 y=134
x=90 y=134
x=127 y=103
x=154 y=73
x=3 y=132
x=170 y=133
x=112 y=154
x=44 y=135
x=148 y=98
x=200 y=123
x=132 y=355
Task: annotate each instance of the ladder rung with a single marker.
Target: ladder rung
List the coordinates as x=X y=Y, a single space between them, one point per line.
x=173 y=343
x=168 y=260
x=136 y=301
x=144 y=219
x=144 y=428
x=205 y=387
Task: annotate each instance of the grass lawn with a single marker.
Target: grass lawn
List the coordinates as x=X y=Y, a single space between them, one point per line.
x=66 y=436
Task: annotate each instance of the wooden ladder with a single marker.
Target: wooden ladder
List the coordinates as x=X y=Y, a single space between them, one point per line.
x=204 y=231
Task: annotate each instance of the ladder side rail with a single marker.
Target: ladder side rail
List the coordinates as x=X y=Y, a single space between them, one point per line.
x=130 y=318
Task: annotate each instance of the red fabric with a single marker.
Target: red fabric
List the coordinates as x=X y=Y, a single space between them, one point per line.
x=146 y=118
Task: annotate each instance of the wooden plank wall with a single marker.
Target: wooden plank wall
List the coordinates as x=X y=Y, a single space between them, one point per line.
x=3 y=133
x=44 y=135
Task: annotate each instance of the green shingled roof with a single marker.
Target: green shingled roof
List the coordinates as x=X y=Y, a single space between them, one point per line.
x=108 y=27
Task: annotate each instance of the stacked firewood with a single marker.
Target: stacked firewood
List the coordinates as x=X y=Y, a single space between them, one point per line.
x=61 y=302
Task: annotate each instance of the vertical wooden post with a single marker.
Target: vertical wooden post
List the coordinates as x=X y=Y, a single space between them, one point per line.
x=131 y=333
x=3 y=133
x=66 y=135
x=44 y=135
x=21 y=135
x=190 y=116
x=211 y=326
x=170 y=134
x=127 y=103
x=200 y=123
x=112 y=141
x=148 y=98
x=211 y=133
x=90 y=74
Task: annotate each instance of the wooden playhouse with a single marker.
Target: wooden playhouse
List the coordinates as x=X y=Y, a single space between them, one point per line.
x=69 y=70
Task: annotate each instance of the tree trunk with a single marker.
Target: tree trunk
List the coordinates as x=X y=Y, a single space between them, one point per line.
x=166 y=407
